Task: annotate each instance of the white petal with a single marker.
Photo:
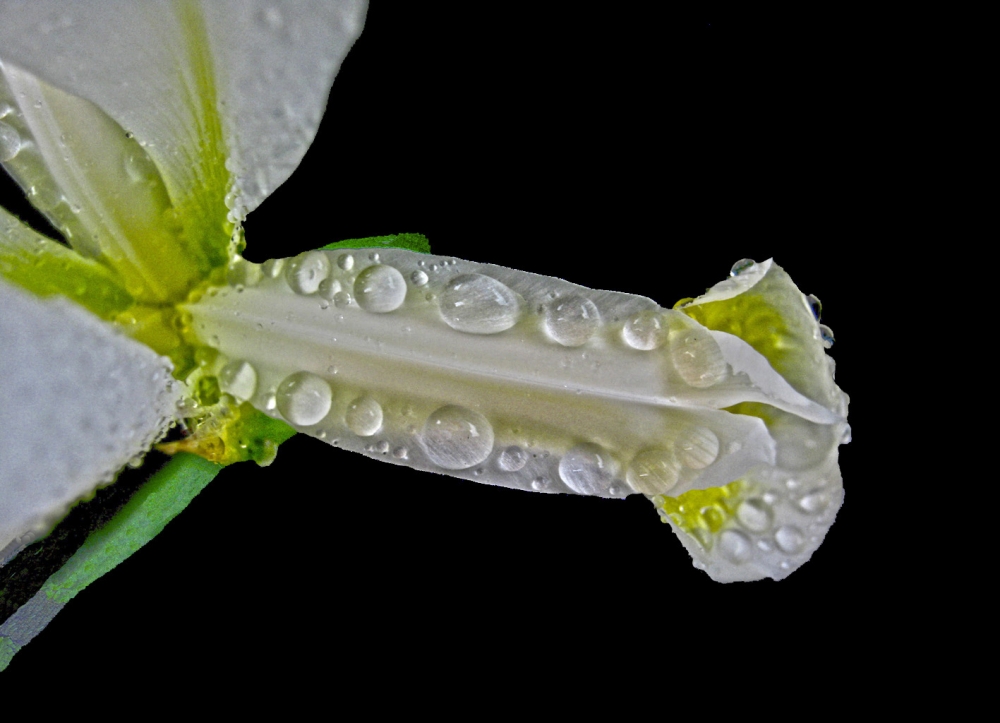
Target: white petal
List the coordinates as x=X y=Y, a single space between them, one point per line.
x=78 y=401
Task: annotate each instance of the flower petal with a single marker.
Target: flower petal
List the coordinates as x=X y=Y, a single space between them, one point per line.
x=78 y=401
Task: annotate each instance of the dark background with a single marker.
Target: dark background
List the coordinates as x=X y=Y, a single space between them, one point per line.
x=617 y=149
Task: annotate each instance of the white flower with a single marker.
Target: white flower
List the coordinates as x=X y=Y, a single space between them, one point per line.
x=459 y=424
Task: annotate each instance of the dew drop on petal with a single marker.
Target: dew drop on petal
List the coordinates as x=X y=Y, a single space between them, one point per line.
x=653 y=472
x=588 y=469
x=735 y=546
x=457 y=438
x=698 y=358
x=272 y=268
x=364 y=416
x=10 y=142
x=697 y=447
x=646 y=330
x=239 y=379
x=304 y=398
x=307 y=271
x=418 y=277
x=755 y=515
x=345 y=262
x=742 y=265
x=478 y=304
x=789 y=539
x=571 y=320
x=380 y=289
x=512 y=459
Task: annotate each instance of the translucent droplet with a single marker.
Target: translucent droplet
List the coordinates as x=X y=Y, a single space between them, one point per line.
x=10 y=142
x=588 y=469
x=307 y=271
x=380 y=289
x=789 y=538
x=478 y=304
x=539 y=483
x=345 y=261
x=400 y=453
x=364 y=416
x=139 y=167
x=653 y=472
x=698 y=358
x=814 y=502
x=512 y=459
x=815 y=306
x=239 y=379
x=272 y=267
x=800 y=444
x=826 y=336
x=646 y=330
x=329 y=288
x=735 y=546
x=382 y=447
x=374 y=256
x=418 y=277
x=457 y=438
x=571 y=320
x=304 y=398
x=755 y=515
x=697 y=447
x=244 y=273
x=740 y=266
x=341 y=299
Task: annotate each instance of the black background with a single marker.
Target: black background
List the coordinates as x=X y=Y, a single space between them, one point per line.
x=617 y=149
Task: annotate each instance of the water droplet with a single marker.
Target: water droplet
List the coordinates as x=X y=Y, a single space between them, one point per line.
x=418 y=277
x=478 y=304
x=653 y=472
x=243 y=273
x=735 y=546
x=789 y=538
x=697 y=447
x=341 y=299
x=329 y=288
x=382 y=447
x=304 y=398
x=646 y=330
x=571 y=320
x=380 y=289
x=512 y=459
x=457 y=438
x=539 y=483
x=587 y=469
x=400 y=453
x=10 y=142
x=740 y=266
x=139 y=167
x=755 y=515
x=345 y=261
x=698 y=358
x=814 y=502
x=815 y=306
x=373 y=256
x=364 y=416
x=826 y=336
x=270 y=402
x=239 y=379
x=307 y=271
x=272 y=268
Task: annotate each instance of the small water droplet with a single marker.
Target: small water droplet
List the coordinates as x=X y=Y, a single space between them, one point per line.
x=382 y=447
x=329 y=287
x=380 y=289
x=539 y=483
x=765 y=545
x=571 y=320
x=735 y=546
x=512 y=459
x=740 y=266
x=373 y=256
x=697 y=447
x=243 y=273
x=815 y=306
x=588 y=469
x=307 y=271
x=790 y=539
x=826 y=336
x=478 y=304
x=270 y=402
x=272 y=268
x=400 y=453
x=364 y=416
x=814 y=502
x=418 y=277
x=456 y=437
x=345 y=261
x=304 y=398
x=653 y=472
x=698 y=358
x=341 y=300
x=755 y=515
x=239 y=379
x=646 y=330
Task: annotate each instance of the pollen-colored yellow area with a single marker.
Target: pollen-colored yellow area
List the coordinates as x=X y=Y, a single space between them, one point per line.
x=228 y=434
x=703 y=513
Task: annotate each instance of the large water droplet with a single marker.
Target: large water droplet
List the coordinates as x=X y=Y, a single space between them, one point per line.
x=478 y=304
x=653 y=472
x=755 y=515
x=10 y=142
x=571 y=320
x=380 y=289
x=698 y=358
x=789 y=538
x=697 y=447
x=364 y=416
x=457 y=438
x=239 y=379
x=646 y=330
x=587 y=469
x=307 y=271
x=735 y=546
x=304 y=398
x=742 y=265
x=512 y=459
